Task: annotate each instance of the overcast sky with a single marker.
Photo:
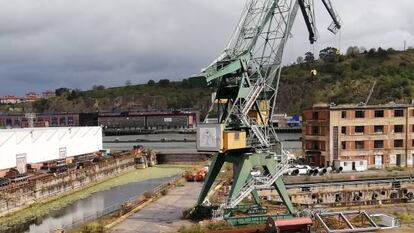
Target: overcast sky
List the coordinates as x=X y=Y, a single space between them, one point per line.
x=46 y=44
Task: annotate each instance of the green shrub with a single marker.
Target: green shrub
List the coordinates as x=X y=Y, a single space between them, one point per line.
x=93 y=228
x=148 y=195
x=191 y=229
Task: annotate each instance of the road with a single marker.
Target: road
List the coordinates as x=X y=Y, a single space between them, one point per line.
x=163 y=215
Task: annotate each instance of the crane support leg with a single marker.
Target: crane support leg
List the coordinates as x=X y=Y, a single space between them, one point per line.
x=256 y=197
x=284 y=195
x=214 y=170
x=241 y=175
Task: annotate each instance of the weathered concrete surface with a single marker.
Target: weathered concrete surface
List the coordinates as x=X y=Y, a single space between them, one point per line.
x=163 y=215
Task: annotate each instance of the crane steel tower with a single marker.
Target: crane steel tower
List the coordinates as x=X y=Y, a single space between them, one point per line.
x=245 y=78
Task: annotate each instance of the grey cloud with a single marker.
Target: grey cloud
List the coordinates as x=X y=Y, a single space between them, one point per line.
x=79 y=43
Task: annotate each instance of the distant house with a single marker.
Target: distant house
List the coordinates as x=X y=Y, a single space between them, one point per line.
x=10 y=99
x=32 y=96
x=48 y=94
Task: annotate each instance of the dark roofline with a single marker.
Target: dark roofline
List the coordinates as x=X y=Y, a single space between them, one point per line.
x=359 y=107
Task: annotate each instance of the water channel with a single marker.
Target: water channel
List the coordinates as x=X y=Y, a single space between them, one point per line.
x=291 y=142
x=89 y=207
x=100 y=201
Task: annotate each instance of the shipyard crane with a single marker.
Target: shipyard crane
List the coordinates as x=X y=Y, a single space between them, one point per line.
x=245 y=80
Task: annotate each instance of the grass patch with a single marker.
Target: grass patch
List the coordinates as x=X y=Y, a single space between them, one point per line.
x=405 y=216
x=44 y=208
x=216 y=226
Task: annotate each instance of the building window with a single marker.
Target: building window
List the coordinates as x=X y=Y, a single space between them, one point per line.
x=343 y=114
x=54 y=121
x=315 y=130
x=343 y=130
x=379 y=129
x=412 y=143
x=378 y=144
x=398 y=113
x=379 y=113
x=359 y=129
x=62 y=121
x=359 y=114
x=315 y=115
x=343 y=145
x=361 y=163
x=70 y=120
x=398 y=143
x=359 y=145
x=412 y=112
x=315 y=145
x=345 y=164
x=398 y=128
x=412 y=128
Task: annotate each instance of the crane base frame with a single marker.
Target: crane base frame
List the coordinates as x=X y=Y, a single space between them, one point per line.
x=243 y=163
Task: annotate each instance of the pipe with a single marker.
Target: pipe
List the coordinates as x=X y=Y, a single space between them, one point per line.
x=303 y=171
x=326 y=170
x=321 y=171
x=295 y=172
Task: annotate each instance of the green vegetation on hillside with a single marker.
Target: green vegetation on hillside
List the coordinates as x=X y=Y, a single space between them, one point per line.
x=340 y=79
x=348 y=78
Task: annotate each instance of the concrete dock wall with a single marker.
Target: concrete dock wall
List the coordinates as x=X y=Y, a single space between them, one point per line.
x=31 y=191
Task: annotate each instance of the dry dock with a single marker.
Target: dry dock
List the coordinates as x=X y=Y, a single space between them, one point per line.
x=163 y=215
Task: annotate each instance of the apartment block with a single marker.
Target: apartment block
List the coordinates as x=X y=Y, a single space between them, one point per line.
x=377 y=135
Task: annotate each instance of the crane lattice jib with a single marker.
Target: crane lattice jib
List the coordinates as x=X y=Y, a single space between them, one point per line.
x=245 y=79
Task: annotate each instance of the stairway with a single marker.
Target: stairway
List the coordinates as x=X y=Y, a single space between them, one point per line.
x=251 y=97
x=257 y=131
x=262 y=182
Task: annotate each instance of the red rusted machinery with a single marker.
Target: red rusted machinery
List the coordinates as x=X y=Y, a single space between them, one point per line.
x=302 y=224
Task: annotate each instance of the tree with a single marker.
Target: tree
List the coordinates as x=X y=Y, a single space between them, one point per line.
x=185 y=83
x=164 y=82
x=352 y=51
x=41 y=105
x=61 y=91
x=98 y=87
x=309 y=57
x=128 y=83
x=299 y=60
x=74 y=94
x=372 y=52
x=382 y=52
x=151 y=82
x=362 y=49
x=328 y=53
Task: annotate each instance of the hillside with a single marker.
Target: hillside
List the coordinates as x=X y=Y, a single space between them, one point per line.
x=348 y=79
x=340 y=79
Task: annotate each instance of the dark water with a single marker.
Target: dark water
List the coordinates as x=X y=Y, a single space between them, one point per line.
x=89 y=207
x=290 y=141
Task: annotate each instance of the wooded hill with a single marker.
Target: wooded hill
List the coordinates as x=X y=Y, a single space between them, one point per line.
x=340 y=79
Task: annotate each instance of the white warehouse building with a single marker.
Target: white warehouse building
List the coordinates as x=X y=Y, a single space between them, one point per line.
x=19 y=147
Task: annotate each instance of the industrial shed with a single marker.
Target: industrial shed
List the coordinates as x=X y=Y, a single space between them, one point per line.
x=19 y=147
